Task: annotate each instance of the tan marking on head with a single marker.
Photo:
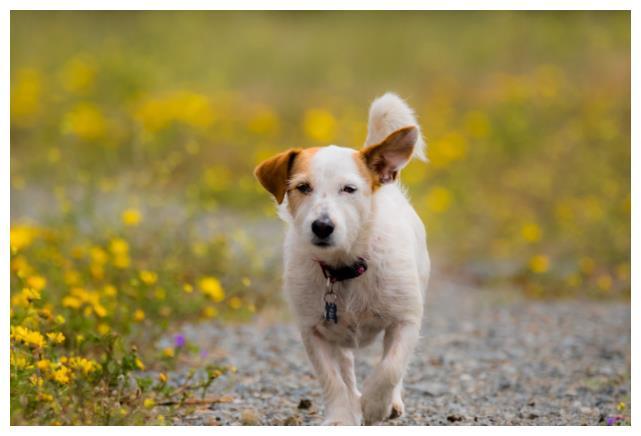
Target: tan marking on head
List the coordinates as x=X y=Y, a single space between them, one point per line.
x=369 y=175
x=300 y=172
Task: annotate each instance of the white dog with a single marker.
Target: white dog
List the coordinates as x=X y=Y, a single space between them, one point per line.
x=356 y=261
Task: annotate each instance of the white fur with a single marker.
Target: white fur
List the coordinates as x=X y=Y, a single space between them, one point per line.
x=383 y=228
x=388 y=113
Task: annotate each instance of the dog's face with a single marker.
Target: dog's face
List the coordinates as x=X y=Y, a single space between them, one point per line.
x=329 y=190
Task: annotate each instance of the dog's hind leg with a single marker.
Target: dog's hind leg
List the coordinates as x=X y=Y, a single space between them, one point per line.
x=382 y=390
x=340 y=408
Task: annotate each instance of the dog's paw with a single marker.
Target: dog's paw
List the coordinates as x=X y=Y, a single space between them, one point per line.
x=348 y=414
x=375 y=409
x=343 y=419
x=398 y=409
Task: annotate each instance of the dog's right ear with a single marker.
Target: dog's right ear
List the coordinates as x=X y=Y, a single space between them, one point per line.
x=273 y=173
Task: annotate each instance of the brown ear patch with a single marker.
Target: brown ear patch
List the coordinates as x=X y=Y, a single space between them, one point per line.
x=387 y=158
x=274 y=173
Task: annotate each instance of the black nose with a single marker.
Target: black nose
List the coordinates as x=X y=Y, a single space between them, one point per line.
x=323 y=227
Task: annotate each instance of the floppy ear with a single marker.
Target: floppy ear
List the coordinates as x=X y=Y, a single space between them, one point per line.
x=387 y=158
x=274 y=173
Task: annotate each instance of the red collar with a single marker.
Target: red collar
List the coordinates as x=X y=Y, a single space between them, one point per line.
x=344 y=272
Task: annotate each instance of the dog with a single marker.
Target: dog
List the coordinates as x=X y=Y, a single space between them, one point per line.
x=355 y=259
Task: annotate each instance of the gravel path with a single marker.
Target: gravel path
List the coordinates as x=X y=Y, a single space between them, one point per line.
x=484 y=358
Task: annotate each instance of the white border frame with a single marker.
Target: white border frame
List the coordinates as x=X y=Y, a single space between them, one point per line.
x=317 y=5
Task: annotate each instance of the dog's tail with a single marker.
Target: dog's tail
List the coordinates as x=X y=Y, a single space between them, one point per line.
x=389 y=113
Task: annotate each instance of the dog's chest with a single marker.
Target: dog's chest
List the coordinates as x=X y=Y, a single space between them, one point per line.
x=358 y=321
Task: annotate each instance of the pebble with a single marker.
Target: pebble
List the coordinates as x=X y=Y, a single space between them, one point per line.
x=249 y=417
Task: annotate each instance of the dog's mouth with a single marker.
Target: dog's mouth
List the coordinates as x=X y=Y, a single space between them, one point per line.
x=321 y=243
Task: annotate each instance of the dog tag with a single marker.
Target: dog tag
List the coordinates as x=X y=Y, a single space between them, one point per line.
x=330 y=312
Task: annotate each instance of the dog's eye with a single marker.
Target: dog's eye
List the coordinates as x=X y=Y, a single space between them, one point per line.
x=350 y=189
x=304 y=188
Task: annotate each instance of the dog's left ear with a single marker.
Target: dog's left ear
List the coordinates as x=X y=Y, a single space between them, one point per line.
x=387 y=158
x=273 y=173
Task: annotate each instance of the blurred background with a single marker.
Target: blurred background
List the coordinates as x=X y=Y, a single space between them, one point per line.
x=134 y=136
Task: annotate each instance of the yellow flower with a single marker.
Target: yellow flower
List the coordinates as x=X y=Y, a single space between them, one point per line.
x=168 y=352
x=44 y=397
x=604 y=282
x=187 y=107
x=56 y=337
x=235 y=303
x=319 y=125
x=131 y=217
x=139 y=315
x=160 y=294
x=78 y=75
x=99 y=310
x=43 y=365
x=118 y=246
x=149 y=403
x=110 y=291
x=45 y=313
x=98 y=255
x=148 y=277
x=246 y=281
x=71 y=302
x=25 y=297
x=72 y=278
x=60 y=319
x=122 y=261
x=139 y=364
x=37 y=282
x=211 y=287
x=449 y=148
x=87 y=366
x=162 y=377
x=61 y=375
x=26 y=336
x=85 y=121
x=439 y=199
x=210 y=312
x=25 y=96
x=103 y=328
x=19 y=362
x=20 y=265
x=187 y=288
x=36 y=380
x=531 y=232
x=21 y=237
x=539 y=263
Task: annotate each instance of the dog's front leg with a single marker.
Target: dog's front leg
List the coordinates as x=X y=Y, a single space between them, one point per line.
x=382 y=390
x=340 y=408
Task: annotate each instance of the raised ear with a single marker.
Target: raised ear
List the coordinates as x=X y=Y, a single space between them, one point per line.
x=274 y=173
x=388 y=157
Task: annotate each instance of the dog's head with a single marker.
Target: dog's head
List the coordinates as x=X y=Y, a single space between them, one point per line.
x=327 y=192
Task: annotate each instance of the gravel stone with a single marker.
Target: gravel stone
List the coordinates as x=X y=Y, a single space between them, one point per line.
x=484 y=358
